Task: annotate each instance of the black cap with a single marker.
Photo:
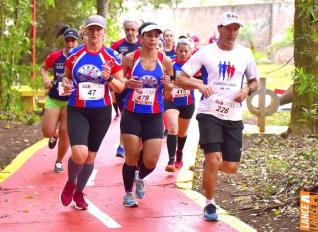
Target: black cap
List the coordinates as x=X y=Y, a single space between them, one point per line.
x=71 y=33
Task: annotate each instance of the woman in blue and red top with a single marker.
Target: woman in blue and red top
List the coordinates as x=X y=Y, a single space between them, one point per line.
x=141 y=121
x=170 y=50
x=90 y=70
x=179 y=110
x=54 y=124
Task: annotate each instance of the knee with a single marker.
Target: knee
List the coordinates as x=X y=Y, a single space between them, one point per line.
x=47 y=133
x=150 y=164
x=173 y=130
x=230 y=168
x=212 y=160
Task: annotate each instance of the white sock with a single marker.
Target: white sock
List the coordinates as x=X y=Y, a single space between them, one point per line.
x=210 y=201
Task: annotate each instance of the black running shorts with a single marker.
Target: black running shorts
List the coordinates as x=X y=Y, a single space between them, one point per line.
x=218 y=135
x=186 y=112
x=146 y=126
x=88 y=126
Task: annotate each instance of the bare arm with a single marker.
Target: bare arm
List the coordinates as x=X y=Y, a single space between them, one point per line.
x=115 y=81
x=166 y=81
x=251 y=87
x=43 y=72
x=128 y=63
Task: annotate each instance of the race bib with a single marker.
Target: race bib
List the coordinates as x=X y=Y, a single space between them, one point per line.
x=179 y=92
x=144 y=96
x=60 y=88
x=91 y=91
x=224 y=109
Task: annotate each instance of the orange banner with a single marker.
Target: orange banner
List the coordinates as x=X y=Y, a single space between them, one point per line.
x=308 y=211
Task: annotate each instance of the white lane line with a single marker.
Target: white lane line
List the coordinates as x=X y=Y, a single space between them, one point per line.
x=92 y=178
x=103 y=217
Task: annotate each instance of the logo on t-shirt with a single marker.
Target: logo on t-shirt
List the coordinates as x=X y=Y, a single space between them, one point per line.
x=226 y=70
x=89 y=72
x=149 y=81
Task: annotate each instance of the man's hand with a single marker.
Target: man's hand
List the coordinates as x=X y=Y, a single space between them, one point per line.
x=205 y=89
x=243 y=94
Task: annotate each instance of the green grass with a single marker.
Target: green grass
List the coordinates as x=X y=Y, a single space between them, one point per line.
x=276 y=119
x=279 y=79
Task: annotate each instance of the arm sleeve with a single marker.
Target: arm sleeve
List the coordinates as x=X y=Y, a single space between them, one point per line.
x=251 y=71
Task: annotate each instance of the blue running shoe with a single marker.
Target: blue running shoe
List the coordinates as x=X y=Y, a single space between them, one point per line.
x=129 y=201
x=120 y=152
x=140 y=186
x=210 y=213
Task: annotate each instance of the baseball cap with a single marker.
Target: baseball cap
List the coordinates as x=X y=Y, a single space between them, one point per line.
x=71 y=33
x=95 y=20
x=229 y=18
x=149 y=26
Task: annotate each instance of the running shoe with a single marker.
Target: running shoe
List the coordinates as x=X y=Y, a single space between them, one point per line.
x=120 y=152
x=140 y=186
x=67 y=193
x=79 y=200
x=210 y=213
x=178 y=165
x=58 y=167
x=170 y=168
x=129 y=200
x=116 y=117
x=52 y=142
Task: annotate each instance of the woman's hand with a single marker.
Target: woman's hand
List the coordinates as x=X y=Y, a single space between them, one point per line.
x=67 y=86
x=106 y=71
x=133 y=83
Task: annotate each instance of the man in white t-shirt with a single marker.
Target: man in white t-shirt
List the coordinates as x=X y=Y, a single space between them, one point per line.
x=227 y=67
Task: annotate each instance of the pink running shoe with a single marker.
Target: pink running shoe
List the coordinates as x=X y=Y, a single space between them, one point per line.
x=67 y=193
x=178 y=164
x=79 y=200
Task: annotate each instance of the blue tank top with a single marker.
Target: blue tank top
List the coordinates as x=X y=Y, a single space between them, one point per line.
x=149 y=99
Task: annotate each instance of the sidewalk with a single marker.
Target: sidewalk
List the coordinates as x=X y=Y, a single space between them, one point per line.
x=29 y=191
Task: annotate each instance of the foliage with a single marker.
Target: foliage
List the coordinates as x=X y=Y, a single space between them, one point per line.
x=287 y=39
x=250 y=30
x=158 y=3
x=15 y=19
x=307 y=84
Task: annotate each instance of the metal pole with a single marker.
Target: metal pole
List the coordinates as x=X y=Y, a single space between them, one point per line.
x=33 y=37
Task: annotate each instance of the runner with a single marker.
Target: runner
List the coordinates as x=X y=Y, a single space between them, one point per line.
x=124 y=46
x=141 y=121
x=179 y=110
x=220 y=111
x=54 y=124
x=90 y=70
x=168 y=37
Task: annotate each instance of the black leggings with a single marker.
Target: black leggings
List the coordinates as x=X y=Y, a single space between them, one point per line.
x=88 y=126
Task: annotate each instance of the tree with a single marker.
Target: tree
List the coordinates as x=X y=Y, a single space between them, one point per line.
x=304 y=112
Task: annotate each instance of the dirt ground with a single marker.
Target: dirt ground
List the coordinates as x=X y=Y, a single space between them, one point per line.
x=15 y=137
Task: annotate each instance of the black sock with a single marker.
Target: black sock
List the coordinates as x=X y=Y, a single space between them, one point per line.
x=171 y=144
x=73 y=170
x=128 y=177
x=181 y=142
x=144 y=171
x=115 y=108
x=83 y=176
x=141 y=157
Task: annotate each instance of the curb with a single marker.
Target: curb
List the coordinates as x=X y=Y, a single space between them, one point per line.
x=20 y=159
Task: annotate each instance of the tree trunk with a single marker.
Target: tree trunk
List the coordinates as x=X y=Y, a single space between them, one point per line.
x=102 y=7
x=305 y=55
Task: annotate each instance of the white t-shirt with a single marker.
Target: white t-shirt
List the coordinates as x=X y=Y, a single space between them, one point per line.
x=226 y=71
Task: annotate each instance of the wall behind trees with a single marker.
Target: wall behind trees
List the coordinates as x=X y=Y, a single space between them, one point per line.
x=203 y=20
